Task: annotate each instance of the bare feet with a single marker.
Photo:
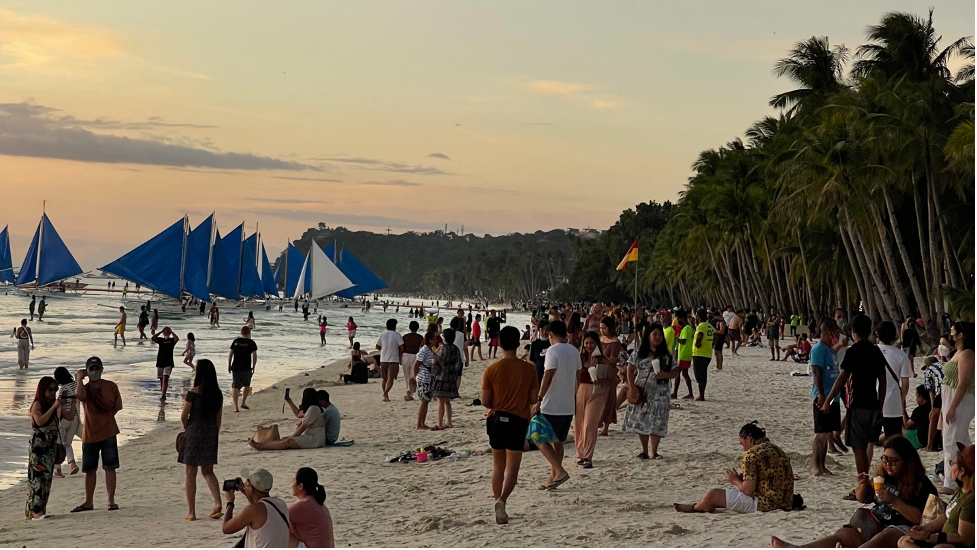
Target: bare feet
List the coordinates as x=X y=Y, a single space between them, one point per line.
x=57 y=473
x=700 y=398
x=684 y=508
x=253 y=444
x=191 y=517
x=422 y=427
x=501 y=517
x=385 y=398
x=690 y=396
x=777 y=543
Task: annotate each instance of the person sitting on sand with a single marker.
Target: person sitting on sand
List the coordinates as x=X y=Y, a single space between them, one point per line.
x=954 y=527
x=309 y=521
x=800 y=350
x=359 y=371
x=767 y=482
x=897 y=504
x=264 y=519
x=310 y=432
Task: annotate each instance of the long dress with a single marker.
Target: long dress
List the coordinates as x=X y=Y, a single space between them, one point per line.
x=44 y=445
x=201 y=435
x=612 y=352
x=650 y=417
x=446 y=371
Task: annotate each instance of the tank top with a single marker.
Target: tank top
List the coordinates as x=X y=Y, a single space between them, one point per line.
x=950 y=377
x=274 y=533
x=22 y=333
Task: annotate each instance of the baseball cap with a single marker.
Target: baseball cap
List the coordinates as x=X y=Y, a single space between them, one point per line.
x=260 y=478
x=966 y=457
x=93 y=361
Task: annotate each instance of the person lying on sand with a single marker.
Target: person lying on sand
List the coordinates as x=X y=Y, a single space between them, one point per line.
x=767 y=482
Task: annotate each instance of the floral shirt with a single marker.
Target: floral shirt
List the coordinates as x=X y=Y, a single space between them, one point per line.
x=769 y=466
x=933 y=378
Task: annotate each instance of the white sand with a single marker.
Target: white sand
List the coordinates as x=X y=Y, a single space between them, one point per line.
x=622 y=501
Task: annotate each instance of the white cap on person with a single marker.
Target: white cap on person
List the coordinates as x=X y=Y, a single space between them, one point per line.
x=260 y=478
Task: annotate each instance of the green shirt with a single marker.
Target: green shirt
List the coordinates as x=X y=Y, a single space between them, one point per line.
x=669 y=333
x=685 y=350
x=795 y=320
x=961 y=508
x=950 y=379
x=708 y=331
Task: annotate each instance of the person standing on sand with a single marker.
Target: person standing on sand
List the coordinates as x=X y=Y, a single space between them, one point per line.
x=241 y=362
x=684 y=342
x=422 y=374
x=865 y=366
x=201 y=417
x=391 y=346
x=594 y=390
x=561 y=377
x=509 y=390
x=719 y=338
x=477 y=337
x=102 y=401
x=537 y=349
x=191 y=351
x=25 y=343
x=154 y=324
x=120 y=328
x=616 y=360
x=702 y=351
x=736 y=332
x=492 y=327
x=32 y=305
x=412 y=345
x=825 y=372
x=649 y=418
x=41 y=308
x=143 y=323
x=772 y=326
x=166 y=341
x=899 y=372
x=44 y=443
x=350 y=331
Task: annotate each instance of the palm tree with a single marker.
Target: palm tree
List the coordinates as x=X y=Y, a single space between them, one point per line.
x=814 y=66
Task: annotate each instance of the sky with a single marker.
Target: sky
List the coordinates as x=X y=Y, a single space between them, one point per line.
x=500 y=116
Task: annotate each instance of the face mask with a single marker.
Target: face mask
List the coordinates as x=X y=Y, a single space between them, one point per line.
x=959 y=482
x=95 y=375
x=944 y=351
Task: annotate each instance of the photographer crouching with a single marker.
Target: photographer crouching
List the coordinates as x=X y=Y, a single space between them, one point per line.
x=264 y=519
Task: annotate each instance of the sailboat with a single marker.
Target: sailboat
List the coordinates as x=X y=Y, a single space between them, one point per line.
x=166 y=265
x=288 y=270
x=269 y=282
x=242 y=256
x=321 y=276
x=48 y=261
x=364 y=281
x=6 y=260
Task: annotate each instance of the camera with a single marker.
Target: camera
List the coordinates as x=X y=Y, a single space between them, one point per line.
x=232 y=484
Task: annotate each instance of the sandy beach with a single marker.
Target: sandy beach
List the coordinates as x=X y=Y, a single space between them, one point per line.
x=622 y=501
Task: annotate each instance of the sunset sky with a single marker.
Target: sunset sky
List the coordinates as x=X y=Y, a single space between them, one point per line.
x=502 y=116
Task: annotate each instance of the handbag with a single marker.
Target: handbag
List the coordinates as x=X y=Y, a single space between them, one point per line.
x=179 y=441
x=61 y=454
x=865 y=522
x=636 y=393
x=266 y=433
x=540 y=430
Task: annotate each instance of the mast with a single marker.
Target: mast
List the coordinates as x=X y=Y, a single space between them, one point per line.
x=183 y=257
x=285 y=268
x=210 y=251
x=240 y=261
x=40 y=245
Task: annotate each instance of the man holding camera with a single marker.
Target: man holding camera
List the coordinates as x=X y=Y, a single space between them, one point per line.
x=265 y=518
x=102 y=401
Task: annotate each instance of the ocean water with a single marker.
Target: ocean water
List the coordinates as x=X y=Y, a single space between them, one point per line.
x=76 y=328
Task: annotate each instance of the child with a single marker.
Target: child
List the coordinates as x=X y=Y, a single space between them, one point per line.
x=917 y=426
x=322 y=331
x=190 y=352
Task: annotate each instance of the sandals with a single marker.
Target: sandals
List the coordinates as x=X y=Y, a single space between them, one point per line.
x=644 y=456
x=587 y=465
x=113 y=507
x=81 y=508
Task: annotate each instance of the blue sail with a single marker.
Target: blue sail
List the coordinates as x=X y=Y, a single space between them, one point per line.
x=154 y=264
x=250 y=280
x=293 y=261
x=233 y=242
x=223 y=280
x=268 y=279
x=198 y=257
x=28 y=268
x=6 y=260
x=364 y=281
x=56 y=260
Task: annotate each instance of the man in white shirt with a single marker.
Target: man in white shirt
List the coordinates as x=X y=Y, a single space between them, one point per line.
x=391 y=346
x=556 y=401
x=898 y=374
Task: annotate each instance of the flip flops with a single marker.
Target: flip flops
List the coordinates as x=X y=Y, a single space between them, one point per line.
x=113 y=507
x=558 y=482
x=81 y=508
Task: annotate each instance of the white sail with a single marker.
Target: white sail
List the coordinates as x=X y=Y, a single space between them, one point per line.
x=300 y=285
x=326 y=277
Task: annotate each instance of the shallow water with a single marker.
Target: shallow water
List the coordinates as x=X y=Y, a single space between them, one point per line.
x=77 y=328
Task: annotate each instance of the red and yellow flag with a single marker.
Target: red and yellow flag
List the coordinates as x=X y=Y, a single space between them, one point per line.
x=631 y=256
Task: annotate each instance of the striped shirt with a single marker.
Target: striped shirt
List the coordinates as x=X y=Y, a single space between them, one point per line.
x=425 y=356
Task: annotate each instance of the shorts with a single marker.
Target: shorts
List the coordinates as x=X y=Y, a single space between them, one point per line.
x=561 y=425
x=827 y=423
x=734 y=335
x=494 y=342
x=863 y=426
x=700 y=366
x=718 y=341
x=684 y=365
x=241 y=379
x=892 y=426
x=164 y=371
x=506 y=431
x=773 y=336
x=475 y=342
x=424 y=391
x=109 y=450
x=938 y=402
x=737 y=501
x=351 y=333
x=121 y=329
x=389 y=369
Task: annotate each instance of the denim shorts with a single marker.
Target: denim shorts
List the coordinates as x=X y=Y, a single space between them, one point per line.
x=108 y=448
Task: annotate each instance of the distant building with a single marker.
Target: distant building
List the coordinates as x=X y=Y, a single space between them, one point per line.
x=585 y=233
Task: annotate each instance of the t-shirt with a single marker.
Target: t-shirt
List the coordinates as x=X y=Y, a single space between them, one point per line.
x=823 y=356
x=887 y=515
x=537 y=354
x=460 y=340
x=310 y=523
x=933 y=378
x=708 y=331
x=669 y=334
x=102 y=401
x=865 y=363
x=476 y=330
x=143 y=319
x=164 y=355
x=330 y=415
x=242 y=348
x=805 y=347
x=685 y=350
x=425 y=356
x=66 y=393
x=960 y=508
x=899 y=363
x=921 y=421
x=565 y=360
x=795 y=320
x=514 y=386
x=390 y=342
x=493 y=326
x=413 y=342
x=728 y=316
x=769 y=466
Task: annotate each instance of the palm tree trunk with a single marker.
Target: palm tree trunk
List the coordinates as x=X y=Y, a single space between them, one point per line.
x=935 y=269
x=888 y=260
x=738 y=296
x=922 y=304
x=878 y=284
x=807 y=275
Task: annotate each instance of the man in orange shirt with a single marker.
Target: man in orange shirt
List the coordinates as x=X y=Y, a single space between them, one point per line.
x=102 y=401
x=509 y=388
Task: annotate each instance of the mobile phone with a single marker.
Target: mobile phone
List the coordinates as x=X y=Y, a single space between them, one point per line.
x=287 y=391
x=231 y=485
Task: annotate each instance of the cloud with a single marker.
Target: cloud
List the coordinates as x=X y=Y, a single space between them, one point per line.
x=441 y=156
x=30 y=130
x=392 y=183
x=386 y=166
x=297 y=178
x=285 y=201
x=575 y=92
